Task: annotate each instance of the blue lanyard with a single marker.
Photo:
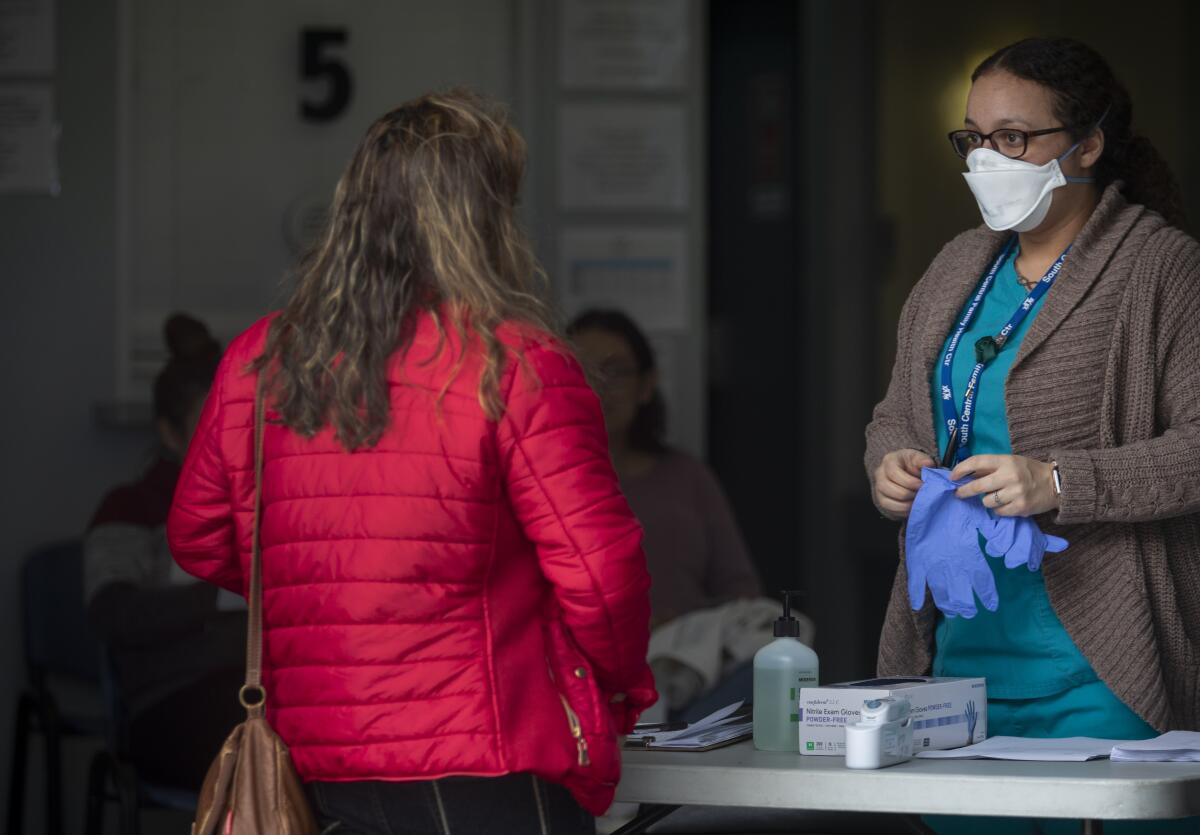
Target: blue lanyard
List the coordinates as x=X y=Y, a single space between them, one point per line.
x=958 y=428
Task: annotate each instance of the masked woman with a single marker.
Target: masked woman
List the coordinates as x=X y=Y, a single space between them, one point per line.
x=1051 y=360
x=1067 y=324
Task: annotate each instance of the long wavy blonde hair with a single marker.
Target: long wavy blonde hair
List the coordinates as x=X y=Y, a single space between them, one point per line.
x=423 y=220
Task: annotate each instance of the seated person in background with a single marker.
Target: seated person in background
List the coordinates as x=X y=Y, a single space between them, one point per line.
x=172 y=646
x=694 y=549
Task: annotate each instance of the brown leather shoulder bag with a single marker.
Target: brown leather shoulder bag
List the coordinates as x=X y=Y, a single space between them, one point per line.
x=252 y=787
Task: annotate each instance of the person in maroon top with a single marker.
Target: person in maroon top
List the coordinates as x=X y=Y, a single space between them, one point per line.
x=694 y=548
x=170 y=641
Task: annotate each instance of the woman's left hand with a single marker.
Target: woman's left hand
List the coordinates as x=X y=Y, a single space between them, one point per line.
x=1011 y=485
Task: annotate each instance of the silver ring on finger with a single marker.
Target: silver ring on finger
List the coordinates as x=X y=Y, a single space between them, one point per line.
x=996 y=500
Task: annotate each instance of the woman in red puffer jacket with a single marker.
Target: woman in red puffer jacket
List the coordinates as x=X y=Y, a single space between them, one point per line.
x=455 y=595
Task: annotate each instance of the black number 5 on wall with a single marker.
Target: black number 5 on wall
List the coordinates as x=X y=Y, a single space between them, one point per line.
x=316 y=63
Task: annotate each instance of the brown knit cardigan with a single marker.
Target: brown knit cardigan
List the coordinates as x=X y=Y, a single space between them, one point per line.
x=1107 y=383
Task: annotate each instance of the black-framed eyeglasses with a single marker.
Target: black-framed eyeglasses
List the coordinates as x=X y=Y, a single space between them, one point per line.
x=614 y=372
x=1011 y=142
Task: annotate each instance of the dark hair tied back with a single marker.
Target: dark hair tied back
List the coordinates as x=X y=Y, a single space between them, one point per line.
x=189 y=371
x=1084 y=88
x=649 y=425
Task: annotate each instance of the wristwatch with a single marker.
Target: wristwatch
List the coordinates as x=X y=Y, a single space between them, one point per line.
x=1057 y=478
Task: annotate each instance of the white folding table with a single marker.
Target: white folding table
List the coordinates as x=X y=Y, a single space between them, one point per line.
x=739 y=775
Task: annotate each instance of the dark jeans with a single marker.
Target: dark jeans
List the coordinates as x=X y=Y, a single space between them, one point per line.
x=515 y=804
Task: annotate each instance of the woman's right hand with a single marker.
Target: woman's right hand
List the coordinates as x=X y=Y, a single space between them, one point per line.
x=897 y=480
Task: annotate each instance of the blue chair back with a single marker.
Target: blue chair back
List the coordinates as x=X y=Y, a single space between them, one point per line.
x=58 y=638
x=117 y=738
x=117 y=726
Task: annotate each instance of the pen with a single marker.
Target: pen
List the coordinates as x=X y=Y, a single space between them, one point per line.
x=951 y=451
x=647 y=727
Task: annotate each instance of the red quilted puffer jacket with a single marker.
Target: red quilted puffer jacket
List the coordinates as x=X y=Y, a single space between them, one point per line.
x=466 y=597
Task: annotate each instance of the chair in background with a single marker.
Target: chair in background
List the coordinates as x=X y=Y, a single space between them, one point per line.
x=60 y=660
x=112 y=776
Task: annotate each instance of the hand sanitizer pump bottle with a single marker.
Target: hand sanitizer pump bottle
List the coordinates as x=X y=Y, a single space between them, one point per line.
x=781 y=668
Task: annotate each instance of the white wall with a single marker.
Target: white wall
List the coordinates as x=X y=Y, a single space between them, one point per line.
x=221 y=166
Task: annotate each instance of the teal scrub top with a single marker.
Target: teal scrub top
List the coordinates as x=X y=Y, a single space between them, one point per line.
x=1021 y=648
x=1039 y=684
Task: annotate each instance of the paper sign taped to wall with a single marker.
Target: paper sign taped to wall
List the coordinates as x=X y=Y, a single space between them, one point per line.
x=630 y=156
x=26 y=38
x=624 y=44
x=642 y=272
x=28 y=139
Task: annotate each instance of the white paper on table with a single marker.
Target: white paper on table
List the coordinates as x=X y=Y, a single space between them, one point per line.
x=1173 y=746
x=726 y=730
x=1072 y=749
x=713 y=719
x=719 y=726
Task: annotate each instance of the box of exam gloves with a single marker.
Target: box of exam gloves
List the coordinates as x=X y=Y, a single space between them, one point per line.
x=946 y=712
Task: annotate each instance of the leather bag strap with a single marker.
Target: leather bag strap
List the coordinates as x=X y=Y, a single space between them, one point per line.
x=253 y=695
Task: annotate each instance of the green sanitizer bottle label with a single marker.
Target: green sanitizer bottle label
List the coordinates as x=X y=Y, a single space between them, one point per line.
x=804 y=680
x=777 y=708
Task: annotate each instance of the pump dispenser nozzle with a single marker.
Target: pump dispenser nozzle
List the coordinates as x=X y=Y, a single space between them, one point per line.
x=787 y=626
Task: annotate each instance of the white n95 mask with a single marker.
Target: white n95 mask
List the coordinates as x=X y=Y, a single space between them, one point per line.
x=1014 y=194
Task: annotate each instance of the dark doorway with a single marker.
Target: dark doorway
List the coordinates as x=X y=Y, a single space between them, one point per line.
x=754 y=296
x=796 y=248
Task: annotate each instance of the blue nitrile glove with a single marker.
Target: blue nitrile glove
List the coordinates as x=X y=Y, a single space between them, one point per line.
x=1020 y=541
x=942 y=548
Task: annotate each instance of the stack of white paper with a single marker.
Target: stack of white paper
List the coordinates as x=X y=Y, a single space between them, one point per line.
x=1171 y=747
x=728 y=723
x=1069 y=749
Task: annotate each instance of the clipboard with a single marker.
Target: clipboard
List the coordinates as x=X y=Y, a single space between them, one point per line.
x=726 y=726
x=648 y=744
